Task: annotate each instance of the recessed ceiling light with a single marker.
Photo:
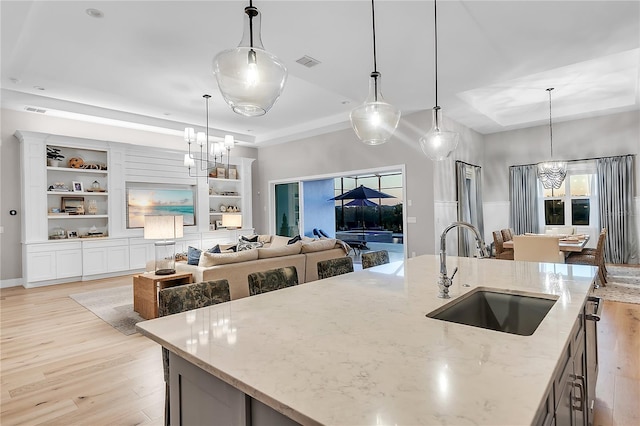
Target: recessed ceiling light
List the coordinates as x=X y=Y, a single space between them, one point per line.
x=38 y=87
x=345 y=102
x=94 y=13
x=166 y=113
x=249 y=130
x=14 y=80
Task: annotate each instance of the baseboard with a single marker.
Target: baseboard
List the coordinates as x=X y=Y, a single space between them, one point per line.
x=14 y=282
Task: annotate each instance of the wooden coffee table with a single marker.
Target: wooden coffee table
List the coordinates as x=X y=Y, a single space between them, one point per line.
x=146 y=288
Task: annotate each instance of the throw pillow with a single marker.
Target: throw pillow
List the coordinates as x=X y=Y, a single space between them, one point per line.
x=247 y=245
x=193 y=254
x=294 y=239
x=251 y=239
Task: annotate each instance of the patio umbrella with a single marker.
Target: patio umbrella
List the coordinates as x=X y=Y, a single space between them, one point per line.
x=361 y=203
x=360 y=197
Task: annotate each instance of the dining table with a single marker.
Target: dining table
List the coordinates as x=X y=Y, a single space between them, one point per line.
x=567 y=244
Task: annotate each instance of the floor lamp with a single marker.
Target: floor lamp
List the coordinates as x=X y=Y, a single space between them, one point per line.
x=164 y=228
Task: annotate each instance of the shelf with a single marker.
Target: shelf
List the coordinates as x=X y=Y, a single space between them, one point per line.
x=225 y=196
x=76 y=193
x=72 y=170
x=224 y=180
x=78 y=216
x=221 y=213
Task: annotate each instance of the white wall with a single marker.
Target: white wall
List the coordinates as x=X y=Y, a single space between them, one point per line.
x=11 y=121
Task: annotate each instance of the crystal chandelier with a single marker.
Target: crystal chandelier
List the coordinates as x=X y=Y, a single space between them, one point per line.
x=250 y=78
x=438 y=143
x=375 y=120
x=551 y=173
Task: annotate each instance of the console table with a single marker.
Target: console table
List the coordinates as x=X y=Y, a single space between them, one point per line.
x=146 y=287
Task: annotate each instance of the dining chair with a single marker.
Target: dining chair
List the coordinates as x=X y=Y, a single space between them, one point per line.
x=537 y=248
x=501 y=252
x=374 y=258
x=507 y=234
x=332 y=267
x=273 y=279
x=182 y=298
x=593 y=257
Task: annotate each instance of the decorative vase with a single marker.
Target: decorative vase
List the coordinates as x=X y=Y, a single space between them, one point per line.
x=92 y=207
x=53 y=163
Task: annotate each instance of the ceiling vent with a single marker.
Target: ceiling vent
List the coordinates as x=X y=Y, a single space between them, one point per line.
x=308 y=61
x=34 y=109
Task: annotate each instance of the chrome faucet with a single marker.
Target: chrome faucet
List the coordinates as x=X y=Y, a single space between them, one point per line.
x=444 y=282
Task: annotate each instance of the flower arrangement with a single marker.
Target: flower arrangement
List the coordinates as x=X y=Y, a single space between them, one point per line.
x=54 y=153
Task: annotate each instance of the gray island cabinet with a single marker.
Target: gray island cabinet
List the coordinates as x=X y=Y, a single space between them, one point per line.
x=360 y=348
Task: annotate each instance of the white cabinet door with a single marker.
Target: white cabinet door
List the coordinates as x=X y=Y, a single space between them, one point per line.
x=69 y=263
x=118 y=258
x=140 y=254
x=95 y=260
x=41 y=266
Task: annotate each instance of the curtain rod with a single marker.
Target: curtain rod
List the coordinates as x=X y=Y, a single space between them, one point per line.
x=472 y=165
x=581 y=159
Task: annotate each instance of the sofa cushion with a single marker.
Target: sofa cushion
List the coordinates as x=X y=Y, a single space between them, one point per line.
x=288 y=250
x=279 y=241
x=193 y=254
x=213 y=259
x=318 y=245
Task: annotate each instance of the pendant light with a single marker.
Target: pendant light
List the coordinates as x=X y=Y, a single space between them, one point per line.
x=375 y=120
x=250 y=78
x=438 y=143
x=552 y=173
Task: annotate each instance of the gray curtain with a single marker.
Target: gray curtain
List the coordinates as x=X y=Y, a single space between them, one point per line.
x=523 y=188
x=469 y=194
x=615 y=191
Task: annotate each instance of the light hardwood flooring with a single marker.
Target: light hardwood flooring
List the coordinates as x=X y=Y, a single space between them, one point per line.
x=61 y=365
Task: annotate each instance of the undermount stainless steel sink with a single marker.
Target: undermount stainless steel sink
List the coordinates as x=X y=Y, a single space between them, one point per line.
x=497 y=310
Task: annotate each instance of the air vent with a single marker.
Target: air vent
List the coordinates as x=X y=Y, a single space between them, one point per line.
x=308 y=61
x=34 y=109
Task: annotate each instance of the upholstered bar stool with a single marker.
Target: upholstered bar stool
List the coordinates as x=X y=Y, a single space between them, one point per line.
x=374 y=258
x=184 y=298
x=273 y=279
x=332 y=267
x=507 y=234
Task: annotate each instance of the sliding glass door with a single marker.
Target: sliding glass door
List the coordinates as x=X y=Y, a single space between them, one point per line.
x=287 y=216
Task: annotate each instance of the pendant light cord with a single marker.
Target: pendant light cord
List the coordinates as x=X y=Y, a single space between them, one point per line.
x=550 y=126
x=435 y=32
x=207 y=132
x=373 y=21
x=251 y=11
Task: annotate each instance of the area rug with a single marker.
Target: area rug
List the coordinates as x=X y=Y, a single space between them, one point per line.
x=623 y=285
x=112 y=305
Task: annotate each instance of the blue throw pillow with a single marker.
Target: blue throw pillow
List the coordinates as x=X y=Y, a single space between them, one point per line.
x=193 y=254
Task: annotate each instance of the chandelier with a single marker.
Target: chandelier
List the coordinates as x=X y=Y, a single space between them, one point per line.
x=438 y=143
x=209 y=150
x=551 y=173
x=250 y=79
x=375 y=120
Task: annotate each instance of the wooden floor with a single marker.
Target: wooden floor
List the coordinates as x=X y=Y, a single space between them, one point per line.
x=61 y=365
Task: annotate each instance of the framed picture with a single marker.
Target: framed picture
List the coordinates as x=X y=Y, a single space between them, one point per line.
x=219 y=224
x=233 y=174
x=160 y=200
x=72 y=205
x=221 y=173
x=72 y=234
x=77 y=186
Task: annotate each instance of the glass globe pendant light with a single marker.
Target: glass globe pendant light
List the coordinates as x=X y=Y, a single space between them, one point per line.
x=375 y=120
x=438 y=143
x=552 y=173
x=250 y=78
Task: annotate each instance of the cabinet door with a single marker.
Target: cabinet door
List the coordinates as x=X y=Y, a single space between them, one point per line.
x=580 y=390
x=118 y=258
x=94 y=261
x=140 y=254
x=69 y=263
x=41 y=266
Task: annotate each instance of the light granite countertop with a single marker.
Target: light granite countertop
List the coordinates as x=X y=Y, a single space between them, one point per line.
x=358 y=349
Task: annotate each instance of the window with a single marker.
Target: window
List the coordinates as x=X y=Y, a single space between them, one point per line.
x=575 y=202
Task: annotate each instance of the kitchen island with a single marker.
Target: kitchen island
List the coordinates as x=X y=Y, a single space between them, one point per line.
x=359 y=349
